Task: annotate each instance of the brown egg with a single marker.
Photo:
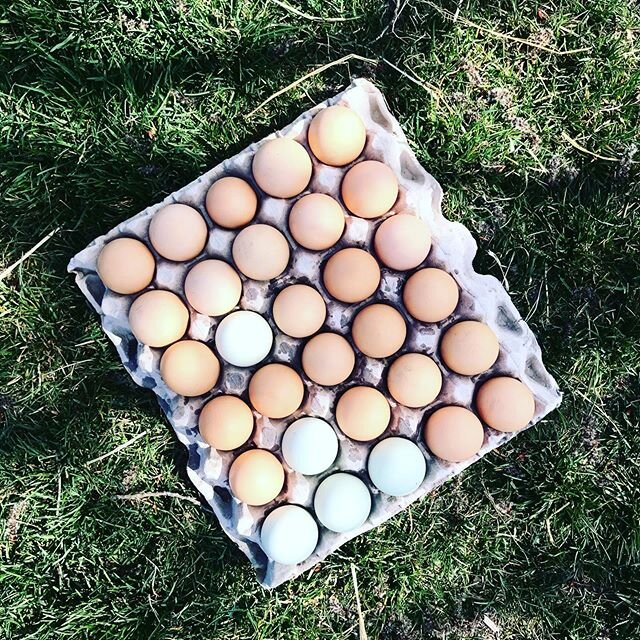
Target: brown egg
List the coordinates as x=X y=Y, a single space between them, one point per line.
x=299 y=310
x=453 y=434
x=337 y=135
x=126 y=266
x=369 y=189
x=282 y=167
x=212 y=287
x=362 y=413
x=256 y=477
x=231 y=202
x=189 y=368
x=379 y=330
x=316 y=221
x=430 y=295
x=469 y=347
x=261 y=252
x=225 y=423
x=414 y=380
x=178 y=232
x=328 y=359
x=158 y=318
x=276 y=390
x=351 y=275
x=505 y=404
x=402 y=241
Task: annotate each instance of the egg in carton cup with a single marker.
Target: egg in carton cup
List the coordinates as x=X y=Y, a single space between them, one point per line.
x=344 y=401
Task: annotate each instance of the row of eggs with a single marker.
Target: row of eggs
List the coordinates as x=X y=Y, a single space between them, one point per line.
x=342 y=502
x=261 y=252
x=362 y=413
x=244 y=338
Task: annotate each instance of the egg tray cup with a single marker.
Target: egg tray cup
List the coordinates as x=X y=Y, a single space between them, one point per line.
x=482 y=297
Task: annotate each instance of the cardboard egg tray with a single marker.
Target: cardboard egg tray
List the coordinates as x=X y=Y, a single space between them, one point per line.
x=482 y=297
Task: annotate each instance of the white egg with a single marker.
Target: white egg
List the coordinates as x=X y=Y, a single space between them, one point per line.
x=243 y=338
x=342 y=502
x=396 y=466
x=309 y=445
x=289 y=534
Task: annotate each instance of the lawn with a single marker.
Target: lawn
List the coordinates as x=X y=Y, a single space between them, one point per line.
x=528 y=114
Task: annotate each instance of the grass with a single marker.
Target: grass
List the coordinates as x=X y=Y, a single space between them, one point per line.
x=107 y=107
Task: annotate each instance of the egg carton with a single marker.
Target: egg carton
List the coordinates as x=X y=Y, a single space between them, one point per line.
x=482 y=297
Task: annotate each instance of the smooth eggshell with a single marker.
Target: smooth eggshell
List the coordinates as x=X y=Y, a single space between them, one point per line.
x=469 y=347
x=225 y=423
x=453 y=433
x=505 y=404
x=430 y=295
x=289 y=534
x=396 y=466
x=351 y=275
x=414 y=380
x=276 y=390
x=328 y=359
x=126 y=266
x=309 y=445
x=369 y=189
x=379 y=330
x=213 y=287
x=256 y=477
x=178 y=232
x=362 y=413
x=261 y=252
x=337 y=135
x=299 y=310
x=243 y=338
x=158 y=318
x=189 y=368
x=282 y=167
x=231 y=202
x=316 y=221
x=342 y=502
x=402 y=241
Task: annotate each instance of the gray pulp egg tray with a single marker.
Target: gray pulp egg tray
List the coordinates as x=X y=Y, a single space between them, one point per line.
x=482 y=297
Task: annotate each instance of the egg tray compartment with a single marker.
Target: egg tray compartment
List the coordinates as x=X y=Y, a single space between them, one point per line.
x=482 y=297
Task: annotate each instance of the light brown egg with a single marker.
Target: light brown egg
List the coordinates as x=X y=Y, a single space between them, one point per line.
x=430 y=295
x=369 y=189
x=126 y=266
x=178 y=232
x=276 y=390
x=453 y=433
x=316 y=221
x=351 y=275
x=328 y=359
x=299 y=310
x=505 y=404
x=158 y=318
x=213 y=287
x=414 y=380
x=379 y=330
x=256 y=477
x=231 y=202
x=189 y=368
x=225 y=423
x=282 y=167
x=402 y=241
x=337 y=135
x=363 y=413
x=261 y=252
x=469 y=347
